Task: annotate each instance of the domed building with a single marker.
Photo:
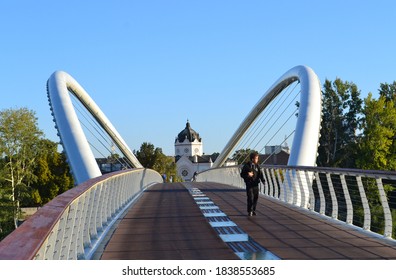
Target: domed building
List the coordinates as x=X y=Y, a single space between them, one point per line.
x=189 y=153
x=188 y=142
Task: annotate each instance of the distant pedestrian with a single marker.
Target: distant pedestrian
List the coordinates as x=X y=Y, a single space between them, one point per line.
x=252 y=175
x=194 y=178
x=164 y=177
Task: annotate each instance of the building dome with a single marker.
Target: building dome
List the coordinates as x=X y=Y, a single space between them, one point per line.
x=188 y=133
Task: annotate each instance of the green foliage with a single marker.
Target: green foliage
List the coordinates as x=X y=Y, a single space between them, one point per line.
x=113 y=158
x=388 y=91
x=32 y=171
x=153 y=158
x=242 y=155
x=19 y=138
x=341 y=108
x=377 y=147
x=374 y=148
x=52 y=175
x=148 y=155
x=6 y=217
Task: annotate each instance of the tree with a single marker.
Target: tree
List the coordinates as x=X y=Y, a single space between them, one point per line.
x=242 y=155
x=52 y=175
x=341 y=108
x=148 y=155
x=388 y=91
x=19 y=139
x=377 y=147
x=153 y=158
x=167 y=165
x=6 y=206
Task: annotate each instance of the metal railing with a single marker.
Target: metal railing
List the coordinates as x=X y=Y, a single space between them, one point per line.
x=363 y=198
x=72 y=225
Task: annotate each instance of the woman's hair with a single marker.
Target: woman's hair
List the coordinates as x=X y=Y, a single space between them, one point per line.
x=253 y=155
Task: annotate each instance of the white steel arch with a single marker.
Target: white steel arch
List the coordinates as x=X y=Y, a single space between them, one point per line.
x=306 y=138
x=73 y=139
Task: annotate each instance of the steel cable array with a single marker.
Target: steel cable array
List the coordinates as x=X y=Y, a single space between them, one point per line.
x=268 y=128
x=97 y=137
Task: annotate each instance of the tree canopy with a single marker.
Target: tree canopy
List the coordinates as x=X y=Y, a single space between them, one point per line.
x=377 y=149
x=341 y=117
x=32 y=171
x=153 y=158
x=19 y=146
x=242 y=155
x=52 y=172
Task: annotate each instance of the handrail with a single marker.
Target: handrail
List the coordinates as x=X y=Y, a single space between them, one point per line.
x=349 y=171
x=356 y=197
x=70 y=226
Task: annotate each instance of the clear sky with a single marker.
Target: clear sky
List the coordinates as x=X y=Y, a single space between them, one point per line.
x=151 y=65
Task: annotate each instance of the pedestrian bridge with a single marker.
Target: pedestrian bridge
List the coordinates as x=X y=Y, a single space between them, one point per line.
x=133 y=215
x=304 y=212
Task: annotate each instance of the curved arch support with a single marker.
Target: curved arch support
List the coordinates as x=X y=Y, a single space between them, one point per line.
x=74 y=142
x=306 y=138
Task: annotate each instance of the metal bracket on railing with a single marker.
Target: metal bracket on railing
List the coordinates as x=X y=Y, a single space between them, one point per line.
x=349 y=218
x=385 y=206
x=365 y=204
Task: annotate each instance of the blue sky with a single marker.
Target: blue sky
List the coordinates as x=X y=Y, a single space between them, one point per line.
x=151 y=65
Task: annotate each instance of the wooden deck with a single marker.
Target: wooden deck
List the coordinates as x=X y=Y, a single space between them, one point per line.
x=166 y=224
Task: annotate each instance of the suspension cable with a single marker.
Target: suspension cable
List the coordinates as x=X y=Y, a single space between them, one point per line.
x=103 y=140
x=274 y=152
x=273 y=124
x=263 y=117
x=84 y=113
x=260 y=129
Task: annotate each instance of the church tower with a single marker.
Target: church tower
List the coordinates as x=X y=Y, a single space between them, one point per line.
x=189 y=153
x=188 y=143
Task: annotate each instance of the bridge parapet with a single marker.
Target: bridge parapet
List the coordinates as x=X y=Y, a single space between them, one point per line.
x=357 y=197
x=72 y=225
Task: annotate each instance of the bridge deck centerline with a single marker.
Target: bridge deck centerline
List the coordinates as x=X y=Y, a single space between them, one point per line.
x=165 y=223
